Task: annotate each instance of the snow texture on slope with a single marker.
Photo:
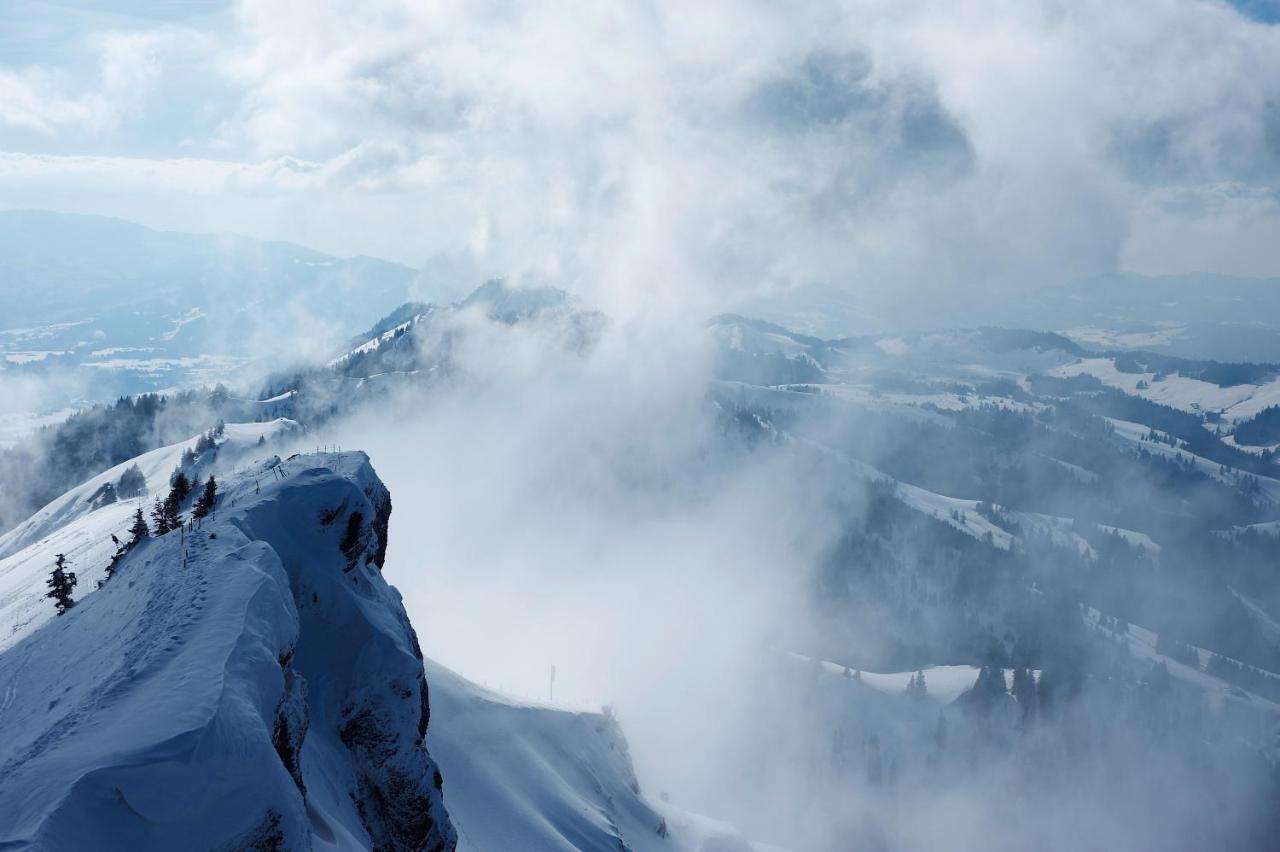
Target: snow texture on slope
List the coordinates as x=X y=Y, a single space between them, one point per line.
x=537 y=778
x=77 y=525
x=248 y=683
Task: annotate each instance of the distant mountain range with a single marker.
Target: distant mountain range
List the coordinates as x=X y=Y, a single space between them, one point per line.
x=1206 y=316
x=126 y=308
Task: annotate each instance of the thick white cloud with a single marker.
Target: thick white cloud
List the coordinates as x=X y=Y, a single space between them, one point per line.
x=677 y=153
x=127 y=67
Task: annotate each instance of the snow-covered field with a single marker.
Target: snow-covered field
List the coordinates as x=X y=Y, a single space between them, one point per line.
x=1238 y=402
x=1098 y=337
x=1136 y=434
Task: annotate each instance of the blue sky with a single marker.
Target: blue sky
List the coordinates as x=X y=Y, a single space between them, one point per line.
x=1267 y=11
x=725 y=147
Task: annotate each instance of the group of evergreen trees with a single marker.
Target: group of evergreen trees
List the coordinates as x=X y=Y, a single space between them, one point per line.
x=46 y=464
x=1262 y=428
x=137 y=532
x=207 y=500
x=131 y=484
x=166 y=515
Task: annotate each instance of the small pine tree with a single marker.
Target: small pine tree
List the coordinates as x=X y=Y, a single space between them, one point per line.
x=181 y=486
x=60 y=583
x=172 y=509
x=990 y=683
x=139 y=530
x=208 y=499
x=121 y=549
x=160 y=517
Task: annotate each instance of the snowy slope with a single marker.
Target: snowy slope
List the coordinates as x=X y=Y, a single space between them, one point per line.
x=1142 y=644
x=1237 y=402
x=71 y=525
x=523 y=776
x=1136 y=434
x=532 y=777
x=249 y=684
x=155 y=465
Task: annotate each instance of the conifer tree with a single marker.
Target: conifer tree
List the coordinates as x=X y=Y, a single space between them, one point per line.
x=172 y=510
x=160 y=517
x=139 y=529
x=181 y=487
x=990 y=684
x=121 y=549
x=208 y=499
x=60 y=583
x=132 y=483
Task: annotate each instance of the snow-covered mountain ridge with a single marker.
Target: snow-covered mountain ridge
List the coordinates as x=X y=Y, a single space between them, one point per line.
x=251 y=681
x=80 y=523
